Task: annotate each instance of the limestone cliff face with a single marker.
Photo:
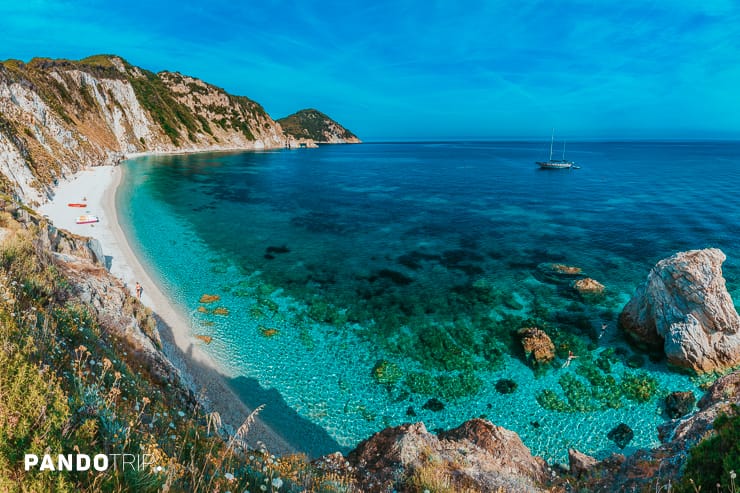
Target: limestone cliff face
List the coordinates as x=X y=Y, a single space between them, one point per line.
x=314 y=125
x=685 y=309
x=59 y=116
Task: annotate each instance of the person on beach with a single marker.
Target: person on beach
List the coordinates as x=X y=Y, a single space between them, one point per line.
x=571 y=357
x=139 y=290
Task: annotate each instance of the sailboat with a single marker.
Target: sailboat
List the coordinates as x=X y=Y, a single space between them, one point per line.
x=556 y=163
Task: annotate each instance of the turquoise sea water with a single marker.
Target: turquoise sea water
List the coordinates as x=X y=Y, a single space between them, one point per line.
x=362 y=281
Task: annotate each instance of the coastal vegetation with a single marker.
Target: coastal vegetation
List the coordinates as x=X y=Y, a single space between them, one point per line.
x=157 y=98
x=713 y=463
x=68 y=383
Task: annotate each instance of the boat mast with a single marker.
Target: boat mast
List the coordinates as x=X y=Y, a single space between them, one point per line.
x=552 y=139
x=563 y=150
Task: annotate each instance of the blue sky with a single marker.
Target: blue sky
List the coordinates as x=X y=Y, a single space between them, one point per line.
x=405 y=70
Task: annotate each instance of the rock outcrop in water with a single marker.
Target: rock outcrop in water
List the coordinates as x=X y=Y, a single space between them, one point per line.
x=538 y=348
x=476 y=456
x=685 y=309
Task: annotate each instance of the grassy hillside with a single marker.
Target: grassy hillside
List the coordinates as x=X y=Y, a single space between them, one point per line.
x=70 y=382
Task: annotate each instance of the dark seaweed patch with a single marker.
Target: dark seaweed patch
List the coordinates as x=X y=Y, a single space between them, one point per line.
x=278 y=249
x=395 y=277
x=320 y=222
x=458 y=256
x=413 y=259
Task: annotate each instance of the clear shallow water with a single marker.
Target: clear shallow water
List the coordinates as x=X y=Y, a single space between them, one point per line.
x=427 y=256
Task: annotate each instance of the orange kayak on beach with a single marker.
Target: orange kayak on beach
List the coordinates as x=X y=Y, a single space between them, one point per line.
x=77 y=205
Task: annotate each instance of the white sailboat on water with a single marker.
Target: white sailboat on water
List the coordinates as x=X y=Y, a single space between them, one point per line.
x=556 y=163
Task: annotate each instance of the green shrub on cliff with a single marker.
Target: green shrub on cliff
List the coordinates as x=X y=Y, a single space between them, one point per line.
x=157 y=98
x=714 y=462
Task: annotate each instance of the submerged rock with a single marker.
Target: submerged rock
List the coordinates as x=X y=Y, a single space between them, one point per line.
x=209 y=298
x=277 y=249
x=505 y=386
x=589 y=289
x=433 y=404
x=685 y=309
x=206 y=339
x=621 y=435
x=678 y=404
x=565 y=269
x=267 y=331
x=537 y=345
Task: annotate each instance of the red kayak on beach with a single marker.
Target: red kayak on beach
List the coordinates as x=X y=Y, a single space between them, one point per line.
x=76 y=205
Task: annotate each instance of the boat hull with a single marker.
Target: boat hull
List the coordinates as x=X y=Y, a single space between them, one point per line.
x=87 y=219
x=76 y=205
x=555 y=164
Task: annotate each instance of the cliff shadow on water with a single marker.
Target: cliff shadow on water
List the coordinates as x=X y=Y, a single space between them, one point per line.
x=296 y=434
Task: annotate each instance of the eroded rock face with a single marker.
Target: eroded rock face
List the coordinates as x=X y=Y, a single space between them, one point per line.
x=478 y=456
x=685 y=309
x=580 y=463
x=81 y=260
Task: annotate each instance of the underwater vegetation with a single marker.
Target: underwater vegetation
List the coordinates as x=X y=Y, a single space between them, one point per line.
x=592 y=387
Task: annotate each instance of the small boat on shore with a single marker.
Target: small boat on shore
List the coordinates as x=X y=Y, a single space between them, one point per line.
x=76 y=204
x=556 y=163
x=87 y=219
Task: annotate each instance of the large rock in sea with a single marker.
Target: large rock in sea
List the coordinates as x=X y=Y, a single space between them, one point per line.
x=685 y=309
x=476 y=456
x=537 y=345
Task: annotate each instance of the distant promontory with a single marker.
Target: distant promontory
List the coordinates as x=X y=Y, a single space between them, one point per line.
x=314 y=125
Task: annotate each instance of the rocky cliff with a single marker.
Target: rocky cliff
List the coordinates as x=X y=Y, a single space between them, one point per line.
x=476 y=456
x=314 y=125
x=59 y=116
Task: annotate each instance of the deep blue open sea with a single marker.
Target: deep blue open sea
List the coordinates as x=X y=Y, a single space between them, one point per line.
x=363 y=281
